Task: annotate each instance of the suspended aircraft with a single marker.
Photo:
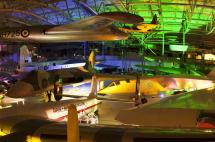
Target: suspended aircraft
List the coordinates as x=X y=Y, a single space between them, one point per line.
x=95 y=28
x=142 y=27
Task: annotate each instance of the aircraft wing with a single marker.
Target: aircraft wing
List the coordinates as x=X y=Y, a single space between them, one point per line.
x=191 y=106
x=160 y=117
x=96 y=22
x=17 y=136
x=199 y=99
x=102 y=77
x=73 y=96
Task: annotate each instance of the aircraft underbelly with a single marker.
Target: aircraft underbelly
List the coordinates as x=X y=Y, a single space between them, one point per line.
x=66 y=38
x=35 y=35
x=78 y=37
x=147 y=87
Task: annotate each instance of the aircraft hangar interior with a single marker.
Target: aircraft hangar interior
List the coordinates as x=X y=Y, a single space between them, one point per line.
x=107 y=70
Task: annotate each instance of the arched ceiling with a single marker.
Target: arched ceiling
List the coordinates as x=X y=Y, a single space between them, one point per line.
x=196 y=18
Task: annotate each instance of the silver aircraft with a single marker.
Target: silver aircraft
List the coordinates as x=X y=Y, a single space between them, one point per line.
x=94 y=28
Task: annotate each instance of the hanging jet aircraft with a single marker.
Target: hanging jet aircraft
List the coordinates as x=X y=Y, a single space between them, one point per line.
x=142 y=27
x=95 y=28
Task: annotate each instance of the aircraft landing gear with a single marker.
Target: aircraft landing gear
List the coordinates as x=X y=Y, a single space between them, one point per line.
x=3 y=91
x=144 y=100
x=48 y=96
x=58 y=97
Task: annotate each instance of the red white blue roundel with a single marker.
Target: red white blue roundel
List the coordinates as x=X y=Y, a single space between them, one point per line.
x=25 y=33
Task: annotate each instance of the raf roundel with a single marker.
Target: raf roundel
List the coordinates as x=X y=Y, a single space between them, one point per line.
x=25 y=33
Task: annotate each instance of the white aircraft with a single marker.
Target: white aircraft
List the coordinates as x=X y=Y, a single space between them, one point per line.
x=26 y=63
x=36 y=82
x=184 y=123
x=22 y=125
x=38 y=114
x=95 y=28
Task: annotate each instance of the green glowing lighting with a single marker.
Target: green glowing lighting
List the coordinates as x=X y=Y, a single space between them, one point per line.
x=182 y=48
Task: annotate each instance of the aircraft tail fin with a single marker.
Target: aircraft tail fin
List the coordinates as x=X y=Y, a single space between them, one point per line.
x=72 y=124
x=24 y=56
x=90 y=62
x=154 y=19
x=211 y=74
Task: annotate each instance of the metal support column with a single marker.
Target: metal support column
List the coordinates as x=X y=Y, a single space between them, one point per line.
x=163 y=44
x=142 y=54
x=85 y=49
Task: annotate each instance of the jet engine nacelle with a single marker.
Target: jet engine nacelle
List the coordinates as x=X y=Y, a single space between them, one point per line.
x=58 y=91
x=43 y=79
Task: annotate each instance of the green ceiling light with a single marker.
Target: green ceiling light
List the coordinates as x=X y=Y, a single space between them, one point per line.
x=182 y=48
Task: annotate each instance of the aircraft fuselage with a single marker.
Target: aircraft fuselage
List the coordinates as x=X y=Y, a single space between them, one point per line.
x=41 y=34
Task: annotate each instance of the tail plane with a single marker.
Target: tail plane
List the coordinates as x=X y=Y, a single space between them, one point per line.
x=142 y=27
x=24 y=56
x=89 y=66
x=154 y=20
x=73 y=134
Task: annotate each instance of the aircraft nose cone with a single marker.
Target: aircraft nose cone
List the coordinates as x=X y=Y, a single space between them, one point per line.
x=20 y=89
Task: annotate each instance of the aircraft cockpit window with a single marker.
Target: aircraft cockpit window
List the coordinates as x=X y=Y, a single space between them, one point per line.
x=117 y=83
x=112 y=84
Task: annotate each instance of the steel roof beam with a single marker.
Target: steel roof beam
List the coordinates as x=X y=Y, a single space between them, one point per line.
x=167 y=3
x=185 y=4
x=67 y=7
x=86 y=7
x=38 y=4
x=170 y=11
x=118 y=2
x=27 y=13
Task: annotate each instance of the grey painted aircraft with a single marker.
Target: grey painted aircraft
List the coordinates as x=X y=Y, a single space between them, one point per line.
x=95 y=28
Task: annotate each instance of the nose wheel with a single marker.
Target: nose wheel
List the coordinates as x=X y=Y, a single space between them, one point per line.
x=51 y=97
x=3 y=92
x=48 y=96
